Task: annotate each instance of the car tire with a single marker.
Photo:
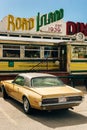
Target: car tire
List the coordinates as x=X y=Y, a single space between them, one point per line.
x=26 y=106
x=4 y=93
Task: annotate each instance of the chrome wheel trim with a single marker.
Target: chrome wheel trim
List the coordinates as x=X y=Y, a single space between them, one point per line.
x=26 y=105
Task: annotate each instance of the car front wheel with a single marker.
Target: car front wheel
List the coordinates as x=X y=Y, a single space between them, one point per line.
x=26 y=105
x=4 y=93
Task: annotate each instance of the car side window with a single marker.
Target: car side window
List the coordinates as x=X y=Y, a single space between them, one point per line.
x=19 y=80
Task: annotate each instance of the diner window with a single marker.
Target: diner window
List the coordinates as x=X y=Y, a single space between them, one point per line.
x=32 y=51
x=50 y=52
x=11 y=51
x=0 y=50
x=79 y=52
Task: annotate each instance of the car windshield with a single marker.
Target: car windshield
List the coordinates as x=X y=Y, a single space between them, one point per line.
x=46 y=82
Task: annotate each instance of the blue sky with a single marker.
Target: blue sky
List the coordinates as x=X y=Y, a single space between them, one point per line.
x=74 y=10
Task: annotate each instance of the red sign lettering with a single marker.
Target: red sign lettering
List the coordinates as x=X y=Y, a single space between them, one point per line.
x=73 y=28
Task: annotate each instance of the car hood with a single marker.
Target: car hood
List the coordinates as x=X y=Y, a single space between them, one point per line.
x=57 y=91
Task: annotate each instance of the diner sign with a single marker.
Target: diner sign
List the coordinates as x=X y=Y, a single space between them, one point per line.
x=28 y=24
x=51 y=23
x=74 y=28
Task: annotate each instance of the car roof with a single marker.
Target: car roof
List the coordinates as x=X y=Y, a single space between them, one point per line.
x=33 y=75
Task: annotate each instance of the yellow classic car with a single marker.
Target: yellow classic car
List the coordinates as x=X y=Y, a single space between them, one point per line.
x=41 y=91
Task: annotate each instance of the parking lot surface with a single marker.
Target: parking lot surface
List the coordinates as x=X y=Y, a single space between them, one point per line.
x=12 y=117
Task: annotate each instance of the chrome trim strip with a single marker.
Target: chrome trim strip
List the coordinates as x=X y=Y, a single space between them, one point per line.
x=62 y=103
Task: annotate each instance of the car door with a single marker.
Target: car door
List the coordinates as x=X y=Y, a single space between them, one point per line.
x=9 y=88
x=63 y=58
x=18 y=88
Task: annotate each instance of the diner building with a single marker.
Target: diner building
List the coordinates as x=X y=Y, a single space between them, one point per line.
x=44 y=43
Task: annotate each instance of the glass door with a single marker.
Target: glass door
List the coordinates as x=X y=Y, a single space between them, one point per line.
x=63 y=57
